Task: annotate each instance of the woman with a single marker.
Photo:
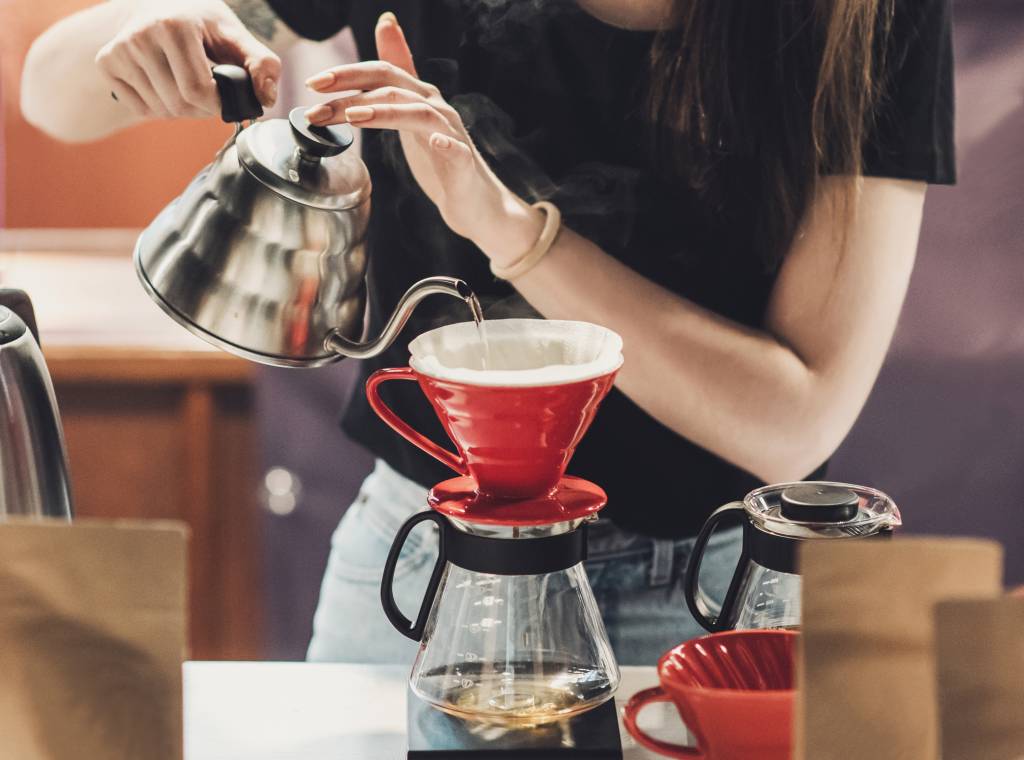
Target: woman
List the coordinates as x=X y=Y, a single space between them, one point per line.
x=741 y=187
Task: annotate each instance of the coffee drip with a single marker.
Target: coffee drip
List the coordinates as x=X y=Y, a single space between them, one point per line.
x=509 y=630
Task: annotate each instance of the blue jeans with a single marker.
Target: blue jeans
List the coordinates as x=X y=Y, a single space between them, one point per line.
x=637 y=580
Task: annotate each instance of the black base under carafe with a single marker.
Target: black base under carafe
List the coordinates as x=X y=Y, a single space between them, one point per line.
x=435 y=735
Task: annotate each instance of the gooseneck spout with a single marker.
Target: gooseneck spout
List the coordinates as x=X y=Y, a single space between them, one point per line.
x=450 y=286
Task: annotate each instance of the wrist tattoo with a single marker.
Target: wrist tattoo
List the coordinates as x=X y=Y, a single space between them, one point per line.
x=260 y=19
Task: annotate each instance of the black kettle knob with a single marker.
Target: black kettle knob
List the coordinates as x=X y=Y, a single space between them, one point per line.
x=238 y=101
x=319 y=142
x=19 y=303
x=819 y=502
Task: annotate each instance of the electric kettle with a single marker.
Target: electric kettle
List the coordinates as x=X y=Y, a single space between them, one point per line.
x=33 y=464
x=765 y=587
x=263 y=254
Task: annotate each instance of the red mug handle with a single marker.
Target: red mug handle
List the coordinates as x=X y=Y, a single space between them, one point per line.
x=403 y=428
x=638 y=702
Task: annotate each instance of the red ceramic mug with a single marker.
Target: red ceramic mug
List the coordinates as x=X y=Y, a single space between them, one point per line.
x=515 y=442
x=733 y=690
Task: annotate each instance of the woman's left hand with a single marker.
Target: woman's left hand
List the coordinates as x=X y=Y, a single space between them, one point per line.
x=388 y=94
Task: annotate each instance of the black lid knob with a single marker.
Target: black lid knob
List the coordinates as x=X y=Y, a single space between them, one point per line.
x=319 y=142
x=238 y=101
x=11 y=328
x=16 y=315
x=817 y=502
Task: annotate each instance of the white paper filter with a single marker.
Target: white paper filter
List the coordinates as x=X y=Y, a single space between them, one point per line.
x=521 y=352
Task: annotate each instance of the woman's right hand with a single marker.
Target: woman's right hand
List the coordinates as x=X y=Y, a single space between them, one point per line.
x=158 y=63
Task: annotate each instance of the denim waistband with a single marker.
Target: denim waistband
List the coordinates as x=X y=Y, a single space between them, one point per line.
x=606 y=541
x=667 y=556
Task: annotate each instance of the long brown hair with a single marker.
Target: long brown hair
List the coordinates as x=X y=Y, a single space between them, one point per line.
x=783 y=90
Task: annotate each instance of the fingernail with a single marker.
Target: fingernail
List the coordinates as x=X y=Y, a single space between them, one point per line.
x=441 y=141
x=323 y=79
x=387 y=19
x=271 y=90
x=320 y=113
x=359 y=113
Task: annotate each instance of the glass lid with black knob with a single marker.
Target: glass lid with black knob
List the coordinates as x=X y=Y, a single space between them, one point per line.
x=812 y=510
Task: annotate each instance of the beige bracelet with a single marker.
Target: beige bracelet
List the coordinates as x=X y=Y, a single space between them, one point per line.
x=552 y=224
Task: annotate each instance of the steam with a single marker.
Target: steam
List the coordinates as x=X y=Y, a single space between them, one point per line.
x=496 y=22
x=597 y=199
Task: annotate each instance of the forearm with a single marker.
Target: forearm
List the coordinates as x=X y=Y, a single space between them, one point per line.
x=778 y=400
x=62 y=91
x=735 y=391
x=155 y=55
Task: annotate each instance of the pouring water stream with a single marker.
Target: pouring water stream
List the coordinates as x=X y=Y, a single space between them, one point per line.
x=481 y=331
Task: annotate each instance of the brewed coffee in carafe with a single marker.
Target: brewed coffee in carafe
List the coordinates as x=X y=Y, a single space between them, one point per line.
x=521 y=649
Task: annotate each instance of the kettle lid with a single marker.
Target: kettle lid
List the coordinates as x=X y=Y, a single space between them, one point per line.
x=11 y=326
x=305 y=163
x=820 y=509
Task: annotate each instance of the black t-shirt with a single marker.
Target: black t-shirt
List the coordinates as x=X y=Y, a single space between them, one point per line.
x=554 y=100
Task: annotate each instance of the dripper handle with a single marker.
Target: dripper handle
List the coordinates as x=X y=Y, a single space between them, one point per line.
x=696 y=600
x=638 y=702
x=401 y=623
x=403 y=428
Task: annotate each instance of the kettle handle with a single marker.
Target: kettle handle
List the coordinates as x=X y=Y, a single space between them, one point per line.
x=700 y=606
x=401 y=623
x=238 y=101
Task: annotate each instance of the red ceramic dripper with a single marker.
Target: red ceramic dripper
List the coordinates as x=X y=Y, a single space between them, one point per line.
x=733 y=690
x=514 y=429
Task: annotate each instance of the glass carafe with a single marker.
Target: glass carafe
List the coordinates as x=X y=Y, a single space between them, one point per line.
x=509 y=628
x=765 y=588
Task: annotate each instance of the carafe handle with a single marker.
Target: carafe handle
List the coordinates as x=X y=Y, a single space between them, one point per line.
x=638 y=702
x=696 y=600
x=401 y=623
x=403 y=428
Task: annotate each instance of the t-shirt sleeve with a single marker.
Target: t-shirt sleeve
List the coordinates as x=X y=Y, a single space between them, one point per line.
x=912 y=136
x=313 y=19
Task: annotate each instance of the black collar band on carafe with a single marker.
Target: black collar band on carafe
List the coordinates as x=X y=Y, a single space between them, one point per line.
x=780 y=552
x=479 y=554
x=520 y=556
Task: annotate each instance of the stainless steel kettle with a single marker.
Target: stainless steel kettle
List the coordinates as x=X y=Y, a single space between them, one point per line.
x=263 y=253
x=33 y=464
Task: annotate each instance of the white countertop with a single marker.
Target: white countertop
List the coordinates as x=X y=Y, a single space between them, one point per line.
x=299 y=711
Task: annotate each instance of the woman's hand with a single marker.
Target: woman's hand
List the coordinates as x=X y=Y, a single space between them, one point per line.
x=158 y=63
x=388 y=94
